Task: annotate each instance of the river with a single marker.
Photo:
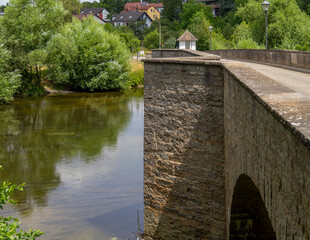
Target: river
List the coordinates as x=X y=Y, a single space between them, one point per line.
x=81 y=156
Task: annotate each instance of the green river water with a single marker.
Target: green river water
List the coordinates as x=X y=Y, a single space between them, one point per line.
x=81 y=156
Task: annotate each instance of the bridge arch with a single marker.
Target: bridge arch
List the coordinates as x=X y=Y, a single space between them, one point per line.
x=249 y=217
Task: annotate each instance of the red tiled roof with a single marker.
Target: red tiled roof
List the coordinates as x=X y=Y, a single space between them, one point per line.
x=132 y=5
x=156 y=5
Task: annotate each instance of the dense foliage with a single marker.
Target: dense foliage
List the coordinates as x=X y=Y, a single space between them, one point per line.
x=9 y=226
x=85 y=56
x=241 y=24
x=9 y=80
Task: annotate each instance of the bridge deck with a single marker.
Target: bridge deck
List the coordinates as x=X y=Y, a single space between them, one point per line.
x=297 y=81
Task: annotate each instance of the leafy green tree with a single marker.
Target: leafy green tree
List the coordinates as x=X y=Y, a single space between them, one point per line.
x=226 y=6
x=199 y=27
x=172 y=9
x=192 y=7
x=9 y=80
x=151 y=40
x=25 y=29
x=170 y=43
x=83 y=56
x=242 y=38
x=304 y=5
x=71 y=7
x=9 y=226
x=283 y=32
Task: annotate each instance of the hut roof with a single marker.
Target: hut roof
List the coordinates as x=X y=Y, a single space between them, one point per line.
x=187 y=36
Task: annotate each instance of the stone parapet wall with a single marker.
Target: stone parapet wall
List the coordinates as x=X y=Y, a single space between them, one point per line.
x=261 y=142
x=184 y=151
x=208 y=123
x=294 y=59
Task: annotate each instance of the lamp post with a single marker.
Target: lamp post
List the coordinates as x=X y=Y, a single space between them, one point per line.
x=210 y=29
x=265 y=6
x=159 y=34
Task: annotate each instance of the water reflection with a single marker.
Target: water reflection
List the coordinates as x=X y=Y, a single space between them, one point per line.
x=68 y=145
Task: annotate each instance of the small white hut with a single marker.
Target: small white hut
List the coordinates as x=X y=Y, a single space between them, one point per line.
x=187 y=41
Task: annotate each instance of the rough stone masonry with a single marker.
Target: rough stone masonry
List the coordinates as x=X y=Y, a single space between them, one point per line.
x=223 y=156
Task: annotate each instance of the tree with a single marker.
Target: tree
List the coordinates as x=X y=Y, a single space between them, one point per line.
x=83 y=56
x=199 y=27
x=283 y=32
x=9 y=80
x=242 y=38
x=151 y=40
x=304 y=5
x=226 y=6
x=129 y=38
x=26 y=28
x=172 y=9
x=192 y=7
x=9 y=225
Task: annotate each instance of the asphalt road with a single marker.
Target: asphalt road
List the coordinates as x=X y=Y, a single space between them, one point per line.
x=297 y=81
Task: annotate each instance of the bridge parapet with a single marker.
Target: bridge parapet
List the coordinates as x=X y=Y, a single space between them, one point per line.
x=217 y=133
x=279 y=58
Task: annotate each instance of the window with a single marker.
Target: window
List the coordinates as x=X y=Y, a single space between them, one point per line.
x=187 y=45
x=121 y=17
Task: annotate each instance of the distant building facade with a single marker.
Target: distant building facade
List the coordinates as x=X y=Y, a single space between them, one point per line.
x=133 y=6
x=149 y=10
x=99 y=12
x=125 y=18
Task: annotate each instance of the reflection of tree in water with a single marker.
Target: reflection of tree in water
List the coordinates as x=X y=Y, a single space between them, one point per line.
x=36 y=134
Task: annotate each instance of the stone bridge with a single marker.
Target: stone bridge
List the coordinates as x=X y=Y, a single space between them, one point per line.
x=226 y=151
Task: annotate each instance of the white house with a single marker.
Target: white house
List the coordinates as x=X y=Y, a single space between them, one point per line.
x=125 y=18
x=187 y=41
x=99 y=12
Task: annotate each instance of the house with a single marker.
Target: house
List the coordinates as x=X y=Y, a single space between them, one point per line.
x=125 y=18
x=100 y=12
x=149 y=10
x=96 y=17
x=187 y=41
x=158 y=6
x=132 y=6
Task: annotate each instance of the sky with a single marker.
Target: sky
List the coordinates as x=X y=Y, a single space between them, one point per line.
x=3 y=2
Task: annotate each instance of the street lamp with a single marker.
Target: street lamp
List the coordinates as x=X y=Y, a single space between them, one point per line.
x=265 y=6
x=159 y=34
x=210 y=29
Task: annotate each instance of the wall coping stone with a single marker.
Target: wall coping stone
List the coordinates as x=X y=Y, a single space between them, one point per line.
x=290 y=108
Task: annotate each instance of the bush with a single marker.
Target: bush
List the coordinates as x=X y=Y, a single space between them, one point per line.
x=137 y=77
x=151 y=40
x=170 y=43
x=9 y=225
x=9 y=80
x=83 y=56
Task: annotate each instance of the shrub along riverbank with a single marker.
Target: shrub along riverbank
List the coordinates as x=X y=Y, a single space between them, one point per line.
x=38 y=43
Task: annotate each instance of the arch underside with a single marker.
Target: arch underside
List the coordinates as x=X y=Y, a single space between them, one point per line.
x=249 y=218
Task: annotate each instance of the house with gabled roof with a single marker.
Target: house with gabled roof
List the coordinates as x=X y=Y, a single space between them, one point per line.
x=150 y=10
x=131 y=6
x=100 y=12
x=187 y=41
x=158 y=6
x=125 y=18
